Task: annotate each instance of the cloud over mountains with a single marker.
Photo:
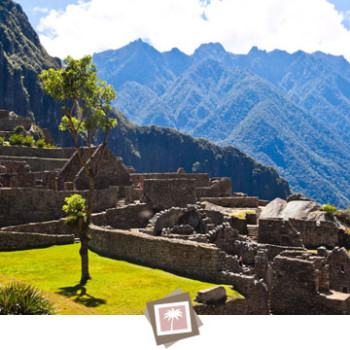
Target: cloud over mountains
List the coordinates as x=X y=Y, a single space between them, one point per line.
x=97 y=25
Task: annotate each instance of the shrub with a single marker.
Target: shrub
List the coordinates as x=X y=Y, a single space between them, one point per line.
x=19 y=130
x=2 y=139
x=21 y=299
x=41 y=143
x=16 y=139
x=329 y=209
x=75 y=208
x=28 y=141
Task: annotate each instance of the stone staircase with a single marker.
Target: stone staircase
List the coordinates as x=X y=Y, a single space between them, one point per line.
x=253 y=232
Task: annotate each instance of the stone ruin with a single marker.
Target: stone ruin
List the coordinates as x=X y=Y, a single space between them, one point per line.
x=309 y=284
x=189 y=224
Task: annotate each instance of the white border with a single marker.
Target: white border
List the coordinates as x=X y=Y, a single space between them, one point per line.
x=178 y=331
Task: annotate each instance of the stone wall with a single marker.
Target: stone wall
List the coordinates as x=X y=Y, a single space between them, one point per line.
x=300 y=285
x=57 y=153
x=163 y=194
x=294 y=286
x=37 y=163
x=21 y=241
x=8 y=122
x=191 y=259
x=45 y=179
x=53 y=227
x=15 y=166
x=133 y=194
x=200 y=220
x=293 y=232
x=339 y=270
x=200 y=180
x=24 y=205
x=131 y=216
x=255 y=300
x=318 y=233
x=279 y=232
x=233 y=202
x=219 y=187
x=70 y=169
x=112 y=172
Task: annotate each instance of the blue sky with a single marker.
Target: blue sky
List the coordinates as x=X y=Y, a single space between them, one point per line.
x=31 y=8
x=80 y=27
x=341 y=5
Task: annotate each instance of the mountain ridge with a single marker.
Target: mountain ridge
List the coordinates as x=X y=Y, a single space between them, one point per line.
x=148 y=149
x=220 y=96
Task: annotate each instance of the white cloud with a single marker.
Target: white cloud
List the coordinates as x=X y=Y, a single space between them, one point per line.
x=97 y=25
x=38 y=9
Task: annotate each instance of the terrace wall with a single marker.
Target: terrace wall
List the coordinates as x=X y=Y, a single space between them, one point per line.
x=196 y=260
x=25 y=205
x=10 y=241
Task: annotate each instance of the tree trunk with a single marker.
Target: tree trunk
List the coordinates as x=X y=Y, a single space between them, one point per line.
x=91 y=197
x=84 y=250
x=84 y=239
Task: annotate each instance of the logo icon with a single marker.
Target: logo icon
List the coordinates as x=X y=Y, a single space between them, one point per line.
x=173 y=318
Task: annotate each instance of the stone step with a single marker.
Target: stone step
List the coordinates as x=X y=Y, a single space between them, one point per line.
x=253 y=230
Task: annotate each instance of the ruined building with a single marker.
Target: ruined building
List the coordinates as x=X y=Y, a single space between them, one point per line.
x=188 y=224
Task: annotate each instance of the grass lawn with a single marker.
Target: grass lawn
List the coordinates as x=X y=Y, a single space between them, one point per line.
x=117 y=288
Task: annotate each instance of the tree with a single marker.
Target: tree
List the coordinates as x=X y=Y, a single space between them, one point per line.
x=75 y=208
x=86 y=112
x=171 y=315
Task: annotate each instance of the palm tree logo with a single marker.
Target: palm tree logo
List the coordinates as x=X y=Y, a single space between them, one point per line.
x=171 y=315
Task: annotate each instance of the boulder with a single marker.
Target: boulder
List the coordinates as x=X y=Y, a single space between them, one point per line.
x=297 y=197
x=274 y=209
x=300 y=209
x=295 y=209
x=212 y=295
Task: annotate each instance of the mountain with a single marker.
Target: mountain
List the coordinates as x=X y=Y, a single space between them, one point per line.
x=318 y=82
x=148 y=149
x=289 y=111
x=157 y=149
x=22 y=58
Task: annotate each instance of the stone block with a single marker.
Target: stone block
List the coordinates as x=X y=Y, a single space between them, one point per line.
x=212 y=295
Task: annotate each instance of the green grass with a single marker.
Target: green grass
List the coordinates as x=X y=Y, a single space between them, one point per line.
x=242 y=214
x=117 y=288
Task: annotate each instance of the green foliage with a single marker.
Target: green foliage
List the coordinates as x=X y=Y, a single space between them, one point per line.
x=22 y=299
x=2 y=139
x=86 y=98
x=16 y=139
x=40 y=143
x=19 y=129
x=75 y=208
x=21 y=140
x=28 y=141
x=329 y=209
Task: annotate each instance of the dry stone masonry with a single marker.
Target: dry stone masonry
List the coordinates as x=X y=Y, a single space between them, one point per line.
x=188 y=224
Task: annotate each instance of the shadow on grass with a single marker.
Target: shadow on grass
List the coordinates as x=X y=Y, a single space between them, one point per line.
x=82 y=296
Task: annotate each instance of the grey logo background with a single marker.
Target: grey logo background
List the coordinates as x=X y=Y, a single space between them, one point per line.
x=176 y=296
